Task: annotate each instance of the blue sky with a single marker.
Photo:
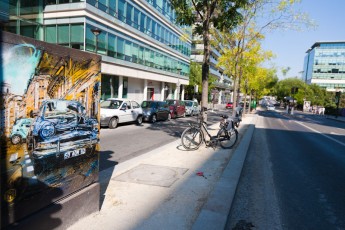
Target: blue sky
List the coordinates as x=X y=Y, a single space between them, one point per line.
x=290 y=46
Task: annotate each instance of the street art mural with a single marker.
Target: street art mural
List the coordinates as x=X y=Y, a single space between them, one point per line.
x=49 y=129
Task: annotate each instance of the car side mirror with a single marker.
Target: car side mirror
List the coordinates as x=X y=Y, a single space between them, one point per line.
x=124 y=107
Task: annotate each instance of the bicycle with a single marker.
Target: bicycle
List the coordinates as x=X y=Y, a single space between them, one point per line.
x=226 y=137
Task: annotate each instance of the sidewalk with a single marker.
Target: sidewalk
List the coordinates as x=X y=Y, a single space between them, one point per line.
x=171 y=188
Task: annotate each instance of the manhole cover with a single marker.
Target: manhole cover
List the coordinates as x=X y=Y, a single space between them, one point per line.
x=152 y=175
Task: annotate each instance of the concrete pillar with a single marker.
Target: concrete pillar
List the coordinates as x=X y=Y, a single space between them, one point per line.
x=120 y=86
x=145 y=89
x=182 y=94
x=220 y=97
x=162 y=91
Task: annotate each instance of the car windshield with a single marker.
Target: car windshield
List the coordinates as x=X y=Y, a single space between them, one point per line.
x=189 y=103
x=147 y=104
x=111 y=104
x=54 y=108
x=172 y=102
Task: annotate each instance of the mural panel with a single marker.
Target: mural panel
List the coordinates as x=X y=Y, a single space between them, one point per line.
x=49 y=129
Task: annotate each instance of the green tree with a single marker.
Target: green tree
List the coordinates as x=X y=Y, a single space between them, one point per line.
x=195 y=78
x=276 y=14
x=204 y=15
x=313 y=93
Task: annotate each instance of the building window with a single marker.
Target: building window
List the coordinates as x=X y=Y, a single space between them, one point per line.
x=111 y=45
x=63 y=35
x=129 y=14
x=102 y=43
x=50 y=34
x=121 y=10
x=125 y=87
x=120 y=48
x=77 y=36
x=110 y=86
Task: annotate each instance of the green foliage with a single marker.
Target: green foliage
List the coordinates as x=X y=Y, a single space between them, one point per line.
x=195 y=78
x=313 y=93
x=204 y=15
x=195 y=75
x=219 y=13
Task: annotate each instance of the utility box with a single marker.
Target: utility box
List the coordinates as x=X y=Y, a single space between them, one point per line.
x=49 y=130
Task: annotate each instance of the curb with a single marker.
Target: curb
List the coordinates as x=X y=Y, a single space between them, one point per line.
x=214 y=213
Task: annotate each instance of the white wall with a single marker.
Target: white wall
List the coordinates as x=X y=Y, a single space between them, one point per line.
x=135 y=89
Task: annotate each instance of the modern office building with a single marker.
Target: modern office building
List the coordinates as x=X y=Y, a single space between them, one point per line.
x=324 y=65
x=144 y=54
x=222 y=92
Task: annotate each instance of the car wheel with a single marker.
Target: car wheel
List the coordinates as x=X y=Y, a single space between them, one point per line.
x=16 y=139
x=139 y=120
x=154 y=118
x=113 y=123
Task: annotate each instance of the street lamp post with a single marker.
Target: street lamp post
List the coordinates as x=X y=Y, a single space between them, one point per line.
x=96 y=32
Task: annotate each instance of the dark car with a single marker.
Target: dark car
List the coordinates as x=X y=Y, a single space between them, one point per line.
x=155 y=110
x=61 y=131
x=177 y=108
x=229 y=105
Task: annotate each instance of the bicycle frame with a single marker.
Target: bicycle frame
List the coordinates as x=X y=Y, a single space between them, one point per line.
x=193 y=136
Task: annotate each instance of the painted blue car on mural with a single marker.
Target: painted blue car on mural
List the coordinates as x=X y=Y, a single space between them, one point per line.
x=61 y=131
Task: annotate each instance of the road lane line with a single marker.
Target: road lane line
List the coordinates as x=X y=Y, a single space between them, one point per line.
x=314 y=130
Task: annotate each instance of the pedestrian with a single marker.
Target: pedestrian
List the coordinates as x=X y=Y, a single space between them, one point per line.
x=322 y=111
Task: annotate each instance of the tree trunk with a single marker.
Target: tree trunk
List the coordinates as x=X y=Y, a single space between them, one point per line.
x=235 y=103
x=205 y=67
x=250 y=100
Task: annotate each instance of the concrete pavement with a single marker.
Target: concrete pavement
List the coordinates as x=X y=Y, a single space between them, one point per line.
x=171 y=188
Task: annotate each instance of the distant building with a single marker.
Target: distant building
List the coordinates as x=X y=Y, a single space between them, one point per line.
x=223 y=91
x=324 y=65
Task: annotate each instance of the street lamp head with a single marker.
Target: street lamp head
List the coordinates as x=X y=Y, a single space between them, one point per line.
x=96 y=31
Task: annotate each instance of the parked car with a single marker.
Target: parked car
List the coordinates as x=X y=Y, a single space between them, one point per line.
x=177 y=108
x=20 y=130
x=115 y=111
x=242 y=104
x=229 y=105
x=270 y=107
x=155 y=110
x=61 y=131
x=192 y=107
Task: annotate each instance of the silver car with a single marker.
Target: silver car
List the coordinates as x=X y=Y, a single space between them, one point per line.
x=115 y=111
x=192 y=108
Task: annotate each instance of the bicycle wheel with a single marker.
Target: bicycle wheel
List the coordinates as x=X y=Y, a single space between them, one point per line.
x=227 y=139
x=191 y=138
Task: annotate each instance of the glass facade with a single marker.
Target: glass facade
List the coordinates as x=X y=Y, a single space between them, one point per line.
x=325 y=65
x=139 y=19
x=117 y=45
x=26 y=18
x=132 y=35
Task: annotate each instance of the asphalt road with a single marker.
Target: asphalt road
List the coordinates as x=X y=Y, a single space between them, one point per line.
x=130 y=140
x=294 y=174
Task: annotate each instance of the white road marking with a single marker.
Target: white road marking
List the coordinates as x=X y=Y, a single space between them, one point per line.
x=314 y=130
